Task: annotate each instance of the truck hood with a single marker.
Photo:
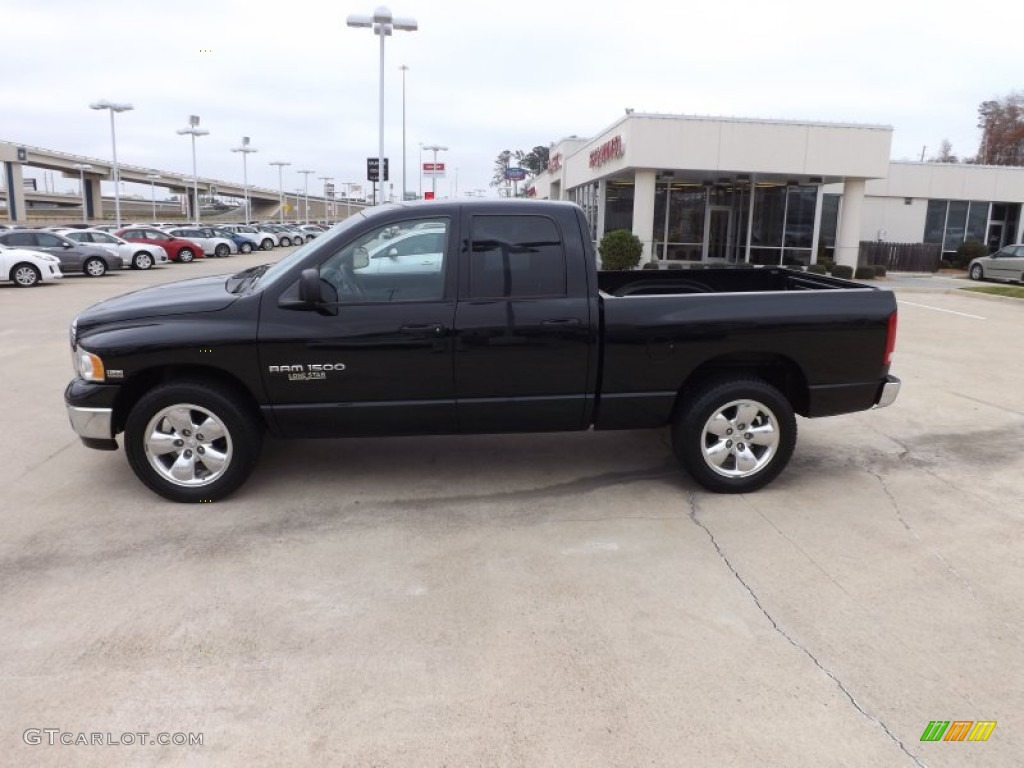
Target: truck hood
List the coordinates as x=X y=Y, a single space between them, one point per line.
x=202 y=294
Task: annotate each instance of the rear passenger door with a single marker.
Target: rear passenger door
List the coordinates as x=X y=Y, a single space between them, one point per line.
x=523 y=340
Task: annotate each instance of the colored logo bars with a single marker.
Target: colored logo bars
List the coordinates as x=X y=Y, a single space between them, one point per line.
x=958 y=730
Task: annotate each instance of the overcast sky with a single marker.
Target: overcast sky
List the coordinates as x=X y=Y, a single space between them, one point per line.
x=483 y=76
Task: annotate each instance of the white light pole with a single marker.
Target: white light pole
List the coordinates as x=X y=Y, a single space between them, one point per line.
x=348 y=196
x=404 y=70
x=245 y=149
x=280 y=185
x=435 y=148
x=82 y=168
x=194 y=130
x=152 y=190
x=306 y=187
x=382 y=23
x=327 y=215
x=114 y=107
x=420 y=171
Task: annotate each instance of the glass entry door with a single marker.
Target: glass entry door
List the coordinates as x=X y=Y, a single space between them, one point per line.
x=718 y=243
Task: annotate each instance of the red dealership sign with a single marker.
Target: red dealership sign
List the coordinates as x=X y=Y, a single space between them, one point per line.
x=611 y=149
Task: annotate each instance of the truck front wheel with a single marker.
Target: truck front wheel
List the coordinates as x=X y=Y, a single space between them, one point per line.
x=735 y=435
x=191 y=441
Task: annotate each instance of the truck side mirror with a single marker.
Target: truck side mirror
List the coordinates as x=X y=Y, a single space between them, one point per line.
x=309 y=287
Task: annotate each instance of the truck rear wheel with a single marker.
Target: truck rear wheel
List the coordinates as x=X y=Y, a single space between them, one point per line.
x=735 y=435
x=191 y=441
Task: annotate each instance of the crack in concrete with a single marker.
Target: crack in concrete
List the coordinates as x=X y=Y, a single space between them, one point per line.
x=937 y=555
x=789 y=638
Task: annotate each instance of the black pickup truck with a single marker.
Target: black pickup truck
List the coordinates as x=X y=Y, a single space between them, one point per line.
x=472 y=317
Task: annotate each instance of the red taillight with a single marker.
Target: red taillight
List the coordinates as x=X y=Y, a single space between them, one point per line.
x=890 y=341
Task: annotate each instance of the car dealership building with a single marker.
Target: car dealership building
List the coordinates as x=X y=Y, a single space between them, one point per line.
x=774 y=191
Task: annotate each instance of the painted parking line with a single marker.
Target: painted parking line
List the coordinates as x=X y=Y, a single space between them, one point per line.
x=939 y=309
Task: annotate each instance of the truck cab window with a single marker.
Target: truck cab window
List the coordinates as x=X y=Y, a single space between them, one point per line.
x=516 y=257
x=397 y=262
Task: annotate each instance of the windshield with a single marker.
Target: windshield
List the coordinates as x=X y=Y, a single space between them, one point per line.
x=272 y=275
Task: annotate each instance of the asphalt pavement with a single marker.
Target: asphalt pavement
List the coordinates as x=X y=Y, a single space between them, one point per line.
x=529 y=600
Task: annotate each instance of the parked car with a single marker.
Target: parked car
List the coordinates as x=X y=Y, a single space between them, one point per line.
x=211 y=243
x=311 y=230
x=178 y=248
x=1005 y=264
x=73 y=257
x=517 y=332
x=406 y=251
x=133 y=255
x=288 y=235
x=264 y=239
x=243 y=244
x=26 y=268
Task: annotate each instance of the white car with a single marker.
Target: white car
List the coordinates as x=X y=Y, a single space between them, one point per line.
x=213 y=246
x=26 y=268
x=414 y=250
x=263 y=239
x=134 y=255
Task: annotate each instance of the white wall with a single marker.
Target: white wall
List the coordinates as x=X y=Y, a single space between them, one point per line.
x=898 y=222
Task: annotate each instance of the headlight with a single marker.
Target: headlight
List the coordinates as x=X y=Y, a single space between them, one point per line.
x=88 y=366
x=49 y=258
x=73 y=332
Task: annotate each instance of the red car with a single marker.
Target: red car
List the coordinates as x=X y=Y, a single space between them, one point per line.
x=178 y=248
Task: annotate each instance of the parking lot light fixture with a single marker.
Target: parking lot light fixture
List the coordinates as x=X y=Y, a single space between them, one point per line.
x=306 y=173
x=245 y=149
x=82 y=168
x=327 y=204
x=383 y=24
x=152 y=189
x=435 y=148
x=114 y=107
x=280 y=186
x=194 y=130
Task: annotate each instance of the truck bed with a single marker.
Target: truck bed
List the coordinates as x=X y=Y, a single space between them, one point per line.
x=715 y=280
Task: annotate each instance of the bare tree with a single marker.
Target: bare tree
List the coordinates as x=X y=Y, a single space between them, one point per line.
x=945 y=154
x=1002 y=130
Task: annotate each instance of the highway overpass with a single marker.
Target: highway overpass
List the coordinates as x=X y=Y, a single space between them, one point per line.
x=25 y=204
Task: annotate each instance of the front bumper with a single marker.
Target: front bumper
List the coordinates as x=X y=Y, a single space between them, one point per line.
x=91 y=413
x=890 y=390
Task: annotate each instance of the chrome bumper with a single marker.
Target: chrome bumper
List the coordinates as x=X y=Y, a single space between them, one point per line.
x=91 y=423
x=890 y=390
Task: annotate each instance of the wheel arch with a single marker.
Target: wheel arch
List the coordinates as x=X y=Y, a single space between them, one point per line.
x=780 y=371
x=142 y=382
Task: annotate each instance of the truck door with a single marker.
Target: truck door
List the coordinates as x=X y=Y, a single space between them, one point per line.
x=523 y=335
x=378 y=360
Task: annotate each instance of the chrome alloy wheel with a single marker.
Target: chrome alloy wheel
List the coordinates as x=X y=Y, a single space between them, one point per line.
x=740 y=438
x=188 y=445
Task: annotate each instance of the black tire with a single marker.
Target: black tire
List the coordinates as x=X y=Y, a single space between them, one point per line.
x=977 y=272
x=142 y=260
x=185 y=255
x=285 y=242
x=245 y=248
x=94 y=267
x=25 y=275
x=756 y=456
x=267 y=244
x=171 y=417
x=221 y=251
x=297 y=240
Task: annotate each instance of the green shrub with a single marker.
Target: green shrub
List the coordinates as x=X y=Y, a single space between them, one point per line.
x=675 y=265
x=842 y=270
x=866 y=272
x=650 y=265
x=827 y=264
x=620 y=249
x=879 y=270
x=968 y=250
x=817 y=269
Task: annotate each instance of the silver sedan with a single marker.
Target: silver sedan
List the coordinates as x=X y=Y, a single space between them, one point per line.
x=1005 y=264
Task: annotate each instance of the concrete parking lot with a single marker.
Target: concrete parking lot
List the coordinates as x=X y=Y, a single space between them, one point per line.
x=537 y=600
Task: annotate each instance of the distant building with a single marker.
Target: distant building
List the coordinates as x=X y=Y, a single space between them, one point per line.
x=773 y=191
